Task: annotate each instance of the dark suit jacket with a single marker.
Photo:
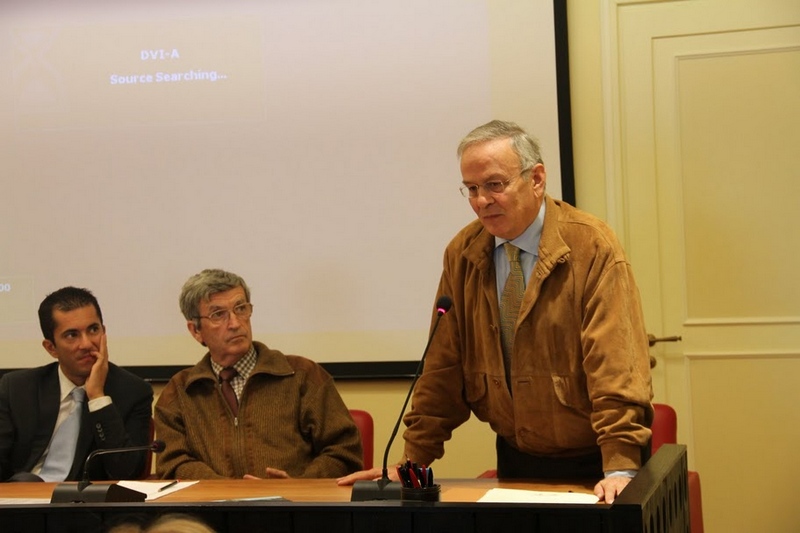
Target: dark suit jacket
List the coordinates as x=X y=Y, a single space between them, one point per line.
x=29 y=402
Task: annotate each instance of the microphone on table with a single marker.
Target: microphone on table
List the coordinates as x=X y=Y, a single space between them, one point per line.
x=385 y=488
x=84 y=491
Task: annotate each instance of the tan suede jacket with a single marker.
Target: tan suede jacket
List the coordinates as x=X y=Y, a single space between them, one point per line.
x=580 y=372
x=291 y=417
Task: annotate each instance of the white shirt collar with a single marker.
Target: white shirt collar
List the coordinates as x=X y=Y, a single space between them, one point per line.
x=65 y=384
x=529 y=240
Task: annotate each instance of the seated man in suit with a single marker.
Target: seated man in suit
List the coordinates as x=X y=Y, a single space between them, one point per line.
x=52 y=417
x=246 y=410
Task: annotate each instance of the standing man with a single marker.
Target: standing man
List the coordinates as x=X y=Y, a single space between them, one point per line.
x=545 y=340
x=53 y=417
x=245 y=410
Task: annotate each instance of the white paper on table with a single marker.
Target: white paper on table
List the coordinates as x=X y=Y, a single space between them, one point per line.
x=151 y=488
x=535 y=496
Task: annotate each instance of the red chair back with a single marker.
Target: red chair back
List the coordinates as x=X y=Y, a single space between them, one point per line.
x=665 y=431
x=664 y=428
x=366 y=427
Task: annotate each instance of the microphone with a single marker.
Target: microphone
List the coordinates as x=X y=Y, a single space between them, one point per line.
x=84 y=491
x=157 y=446
x=385 y=488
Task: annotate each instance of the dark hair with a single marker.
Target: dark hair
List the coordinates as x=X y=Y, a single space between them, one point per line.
x=66 y=299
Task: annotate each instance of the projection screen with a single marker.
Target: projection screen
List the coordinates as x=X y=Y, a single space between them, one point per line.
x=307 y=145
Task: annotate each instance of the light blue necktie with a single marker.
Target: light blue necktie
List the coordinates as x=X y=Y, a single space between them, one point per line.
x=59 y=459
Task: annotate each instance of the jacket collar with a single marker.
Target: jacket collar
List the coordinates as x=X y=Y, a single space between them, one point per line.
x=268 y=361
x=552 y=248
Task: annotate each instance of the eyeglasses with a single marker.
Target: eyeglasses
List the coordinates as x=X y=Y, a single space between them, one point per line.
x=470 y=190
x=242 y=311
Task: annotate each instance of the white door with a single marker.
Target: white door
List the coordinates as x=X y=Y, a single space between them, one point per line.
x=705 y=115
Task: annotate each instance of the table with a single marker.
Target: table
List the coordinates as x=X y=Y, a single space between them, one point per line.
x=655 y=501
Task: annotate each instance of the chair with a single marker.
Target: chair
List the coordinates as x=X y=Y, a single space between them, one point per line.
x=665 y=431
x=366 y=428
x=664 y=428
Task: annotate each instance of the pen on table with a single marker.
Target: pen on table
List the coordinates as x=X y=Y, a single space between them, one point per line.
x=168 y=485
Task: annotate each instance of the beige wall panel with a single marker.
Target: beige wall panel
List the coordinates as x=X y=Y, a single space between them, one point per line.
x=739 y=152
x=747 y=430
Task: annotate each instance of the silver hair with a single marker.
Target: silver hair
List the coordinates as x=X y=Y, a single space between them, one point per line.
x=203 y=285
x=524 y=145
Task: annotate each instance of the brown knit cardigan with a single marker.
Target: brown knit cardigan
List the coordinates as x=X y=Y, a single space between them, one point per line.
x=291 y=417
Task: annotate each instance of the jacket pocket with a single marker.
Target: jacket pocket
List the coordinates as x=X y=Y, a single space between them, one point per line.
x=572 y=427
x=571 y=393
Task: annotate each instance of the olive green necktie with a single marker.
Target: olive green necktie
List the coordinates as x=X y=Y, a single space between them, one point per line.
x=510 y=302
